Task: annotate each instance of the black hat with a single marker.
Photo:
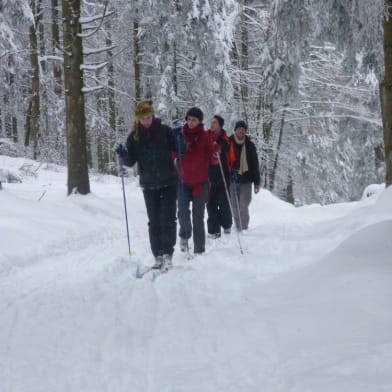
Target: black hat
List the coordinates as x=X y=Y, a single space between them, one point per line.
x=194 y=112
x=221 y=121
x=241 y=124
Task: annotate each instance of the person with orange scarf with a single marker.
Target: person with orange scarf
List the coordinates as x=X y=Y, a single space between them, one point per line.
x=245 y=172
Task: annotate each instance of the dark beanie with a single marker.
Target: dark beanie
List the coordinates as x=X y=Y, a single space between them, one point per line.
x=221 y=121
x=194 y=112
x=241 y=124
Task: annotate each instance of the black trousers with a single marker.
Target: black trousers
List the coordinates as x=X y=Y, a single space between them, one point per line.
x=218 y=208
x=161 y=207
x=185 y=197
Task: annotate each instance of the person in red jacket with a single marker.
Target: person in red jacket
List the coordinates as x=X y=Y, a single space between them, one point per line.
x=193 y=174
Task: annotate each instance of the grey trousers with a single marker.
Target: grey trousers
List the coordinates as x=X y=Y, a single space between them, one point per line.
x=185 y=197
x=241 y=196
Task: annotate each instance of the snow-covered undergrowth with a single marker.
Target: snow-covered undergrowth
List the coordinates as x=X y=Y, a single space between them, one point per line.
x=307 y=307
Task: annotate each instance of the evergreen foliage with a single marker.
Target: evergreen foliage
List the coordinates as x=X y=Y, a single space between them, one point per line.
x=304 y=75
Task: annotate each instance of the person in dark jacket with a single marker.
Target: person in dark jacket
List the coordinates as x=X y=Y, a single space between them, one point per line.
x=245 y=172
x=151 y=145
x=193 y=172
x=218 y=206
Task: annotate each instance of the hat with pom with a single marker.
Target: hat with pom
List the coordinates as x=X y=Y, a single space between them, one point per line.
x=144 y=108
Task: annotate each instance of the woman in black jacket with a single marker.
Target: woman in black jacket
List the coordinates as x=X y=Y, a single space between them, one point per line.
x=151 y=145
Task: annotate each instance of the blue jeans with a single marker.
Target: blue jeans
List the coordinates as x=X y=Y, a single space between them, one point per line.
x=185 y=197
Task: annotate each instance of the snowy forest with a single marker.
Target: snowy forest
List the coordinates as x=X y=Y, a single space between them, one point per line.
x=299 y=300
x=304 y=74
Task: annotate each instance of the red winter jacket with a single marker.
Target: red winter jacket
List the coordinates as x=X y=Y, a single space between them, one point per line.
x=200 y=149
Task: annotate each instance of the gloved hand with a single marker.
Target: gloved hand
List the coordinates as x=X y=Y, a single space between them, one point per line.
x=120 y=150
x=217 y=150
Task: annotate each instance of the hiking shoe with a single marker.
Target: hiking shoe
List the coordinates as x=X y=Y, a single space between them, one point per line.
x=167 y=261
x=158 y=262
x=183 y=244
x=214 y=236
x=227 y=231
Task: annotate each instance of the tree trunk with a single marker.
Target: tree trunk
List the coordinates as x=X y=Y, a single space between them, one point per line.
x=244 y=60
x=56 y=46
x=289 y=191
x=267 y=151
x=8 y=121
x=176 y=113
x=240 y=61
x=41 y=32
x=75 y=124
x=34 y=113
x=386 y=92
x=14 y=129
x=280 y=139
x=111 y=159
x=136 y=60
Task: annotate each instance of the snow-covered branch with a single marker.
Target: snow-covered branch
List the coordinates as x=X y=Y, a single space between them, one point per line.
x=91 y=19
x=53 y=58
x=100 y=23
x=376 y=122
x=86 y=90
x=105 y=86
x=94 y=67
x=89 y=51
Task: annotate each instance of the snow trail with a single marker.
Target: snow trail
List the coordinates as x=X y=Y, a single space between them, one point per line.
x=307 y=307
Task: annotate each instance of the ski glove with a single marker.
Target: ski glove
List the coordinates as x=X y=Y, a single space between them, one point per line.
x=121 y=151
x=217 y=150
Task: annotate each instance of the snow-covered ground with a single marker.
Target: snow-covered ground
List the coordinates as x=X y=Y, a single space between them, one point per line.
x=307 y=308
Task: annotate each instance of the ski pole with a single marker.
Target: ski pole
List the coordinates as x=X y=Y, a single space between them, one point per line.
x=228 y=199
x=120 y=163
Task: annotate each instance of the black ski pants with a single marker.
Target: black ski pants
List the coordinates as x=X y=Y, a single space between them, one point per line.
x=218 y=208
x=161 y=207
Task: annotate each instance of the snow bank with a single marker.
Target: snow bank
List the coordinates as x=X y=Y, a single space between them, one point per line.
x=306 y=308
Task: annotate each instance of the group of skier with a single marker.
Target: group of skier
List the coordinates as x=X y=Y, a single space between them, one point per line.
x=195 y=166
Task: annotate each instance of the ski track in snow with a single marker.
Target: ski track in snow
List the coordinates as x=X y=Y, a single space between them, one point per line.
x=145 y=325
x=76 y=319
x=137 y=332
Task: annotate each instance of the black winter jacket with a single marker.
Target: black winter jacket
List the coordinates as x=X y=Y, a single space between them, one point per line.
x=214 y=171
x=253 y=174
x=152 y=149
